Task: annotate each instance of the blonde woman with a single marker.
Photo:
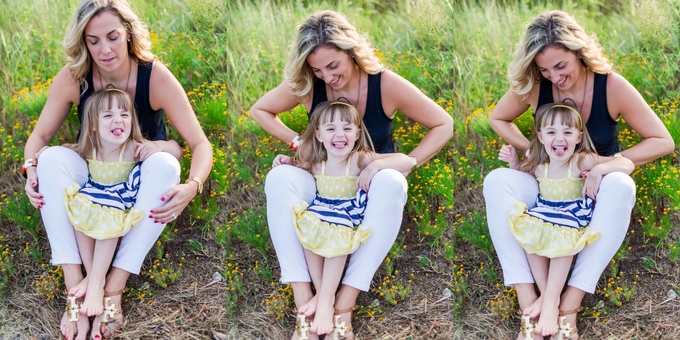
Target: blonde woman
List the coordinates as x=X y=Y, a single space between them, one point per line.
x=107 y=45
x=330 y=60
x=557 y=61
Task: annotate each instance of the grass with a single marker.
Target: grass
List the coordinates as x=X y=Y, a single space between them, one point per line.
x=442 y=278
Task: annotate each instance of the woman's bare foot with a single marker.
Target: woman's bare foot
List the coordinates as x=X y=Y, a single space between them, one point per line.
x=323 y=319
x=547 y=323
x=80 y=289
x=309 y=308
x=92 y=305
x=74 y=332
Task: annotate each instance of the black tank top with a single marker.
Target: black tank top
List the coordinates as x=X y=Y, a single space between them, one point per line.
x=603 y=130
x=151 y=121
x=378 y=124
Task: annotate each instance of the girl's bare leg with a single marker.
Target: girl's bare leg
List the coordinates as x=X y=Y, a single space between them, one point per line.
x=557 y=276
x=86 y=246
x=315 y=264
x=539 y=268
x=103 y=254
x=332 y=271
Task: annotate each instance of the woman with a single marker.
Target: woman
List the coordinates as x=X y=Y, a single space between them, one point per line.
x=107 y=45
x=558 y=62
x=330 y=60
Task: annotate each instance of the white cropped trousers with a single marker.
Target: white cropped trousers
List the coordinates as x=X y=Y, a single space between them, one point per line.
x=611 y=217
x=286 y=185
x=58 y=167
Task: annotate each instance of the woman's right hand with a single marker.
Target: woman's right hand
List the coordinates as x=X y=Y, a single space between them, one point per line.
x=31 y=188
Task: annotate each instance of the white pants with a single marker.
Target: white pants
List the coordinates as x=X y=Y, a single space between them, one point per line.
x=615 y=201
x=287 y=185
x=58 y=167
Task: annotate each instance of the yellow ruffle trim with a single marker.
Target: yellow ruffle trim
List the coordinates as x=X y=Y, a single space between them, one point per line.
x=326 y=239
x=547 y=239
x=96 y=221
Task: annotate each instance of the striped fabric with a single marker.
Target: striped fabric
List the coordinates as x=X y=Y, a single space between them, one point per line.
x=343 y=212
x=571 y=214
x=118 y=196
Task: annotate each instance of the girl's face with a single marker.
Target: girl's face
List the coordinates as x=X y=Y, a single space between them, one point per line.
x=114 y=125
x=106 y=40
x=560 y=140
x=562 y=67
x=338 y=137
x=333 y=66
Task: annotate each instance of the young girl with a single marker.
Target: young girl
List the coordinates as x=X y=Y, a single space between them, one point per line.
x=569 y=172
x=337 y=151
x=101 y=209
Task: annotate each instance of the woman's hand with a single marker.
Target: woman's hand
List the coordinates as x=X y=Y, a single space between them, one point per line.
x=31 y=188
x=177 y=198
x=146 y=149
x=592 y=184
x=282 y=159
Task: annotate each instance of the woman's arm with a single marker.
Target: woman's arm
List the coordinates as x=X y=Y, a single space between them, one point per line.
x=506 y=111
x=64 y=91
x=399 y=94
x=598 y=166
x=376 y=162
x=623 y=98
x=166 y=93
x=264 y=112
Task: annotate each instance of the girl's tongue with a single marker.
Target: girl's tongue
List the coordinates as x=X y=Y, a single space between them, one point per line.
x=117 y=132
x=559 y=150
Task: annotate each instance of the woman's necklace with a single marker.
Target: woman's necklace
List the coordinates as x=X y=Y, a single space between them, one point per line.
x=358 y=93
x=127 y=82
x=583 y=100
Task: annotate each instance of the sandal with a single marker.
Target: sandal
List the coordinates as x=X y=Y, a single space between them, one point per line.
x=528 y=327
x=340 y=330
x=108 y=317
x=302 y=326
x=565 y=330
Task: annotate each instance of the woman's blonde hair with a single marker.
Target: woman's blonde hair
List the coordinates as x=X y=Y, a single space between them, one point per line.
x=79 y=59
x=103 y=100
x=553 y=28
x=549 y=114
x=326 y=28
x=312 y=151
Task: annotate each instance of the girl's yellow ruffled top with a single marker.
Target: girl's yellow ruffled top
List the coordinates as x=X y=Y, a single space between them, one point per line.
x=94 y=220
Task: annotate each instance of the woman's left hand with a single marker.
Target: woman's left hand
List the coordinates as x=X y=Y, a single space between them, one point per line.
x=146 y=149
x=592 y=184
x=366 y=176
x=177 y=198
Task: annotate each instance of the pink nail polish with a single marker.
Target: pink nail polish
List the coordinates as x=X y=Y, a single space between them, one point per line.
x=150 y=216
x=155 y=221
x=162 y=198
x=151 y=211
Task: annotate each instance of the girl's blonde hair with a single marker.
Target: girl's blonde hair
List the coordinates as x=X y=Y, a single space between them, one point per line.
x=549 y=114
x=312 y=151
x=79 y=59
x=553 y=28
x=326 y=28
x=103 y=100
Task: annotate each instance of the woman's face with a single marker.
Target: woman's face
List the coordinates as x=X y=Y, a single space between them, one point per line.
x=561 y=66
x=332 y=65
x=106 y=40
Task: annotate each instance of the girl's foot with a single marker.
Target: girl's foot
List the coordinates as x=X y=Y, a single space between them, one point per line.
x=534 y=310
x=80 y=289
x=111 y=321
x=74 y=330
x=547 y=322
x=323 y=319
x=567 y=327
x=309 y=308
x=92 y=306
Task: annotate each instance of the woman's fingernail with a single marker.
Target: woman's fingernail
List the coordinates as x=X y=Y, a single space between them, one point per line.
x=150 y=216
x=155 y=221
x=97 y=336
x=32 y=184
x=151 y=211
x=162 y=198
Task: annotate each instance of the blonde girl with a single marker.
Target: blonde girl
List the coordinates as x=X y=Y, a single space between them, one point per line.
x=338 y=152
x=569 y=173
